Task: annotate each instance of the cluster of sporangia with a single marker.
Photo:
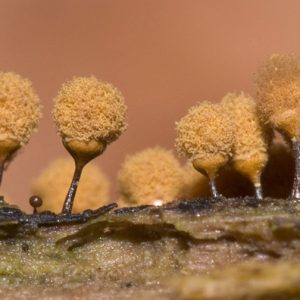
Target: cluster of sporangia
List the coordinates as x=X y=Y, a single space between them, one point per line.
x=90 y=114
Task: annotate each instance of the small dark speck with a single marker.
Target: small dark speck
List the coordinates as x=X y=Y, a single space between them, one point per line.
x=25 y=247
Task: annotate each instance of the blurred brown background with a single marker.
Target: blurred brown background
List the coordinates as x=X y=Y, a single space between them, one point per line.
x=164 y=55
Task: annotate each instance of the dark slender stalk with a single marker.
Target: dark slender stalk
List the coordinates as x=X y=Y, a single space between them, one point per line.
x=82 y=152
x=296 y=186
x=1 y=170
x=213 y=188
x=68 y=204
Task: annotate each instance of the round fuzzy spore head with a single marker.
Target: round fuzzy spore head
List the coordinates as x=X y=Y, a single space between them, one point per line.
x=205 y=134
x=250 y=141
x=151 y=176
x=53 y=184
x=20 y=108
x=88 y=109
x=278 y=93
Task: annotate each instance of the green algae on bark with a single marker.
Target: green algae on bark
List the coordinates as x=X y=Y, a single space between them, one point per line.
x=130 y=253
